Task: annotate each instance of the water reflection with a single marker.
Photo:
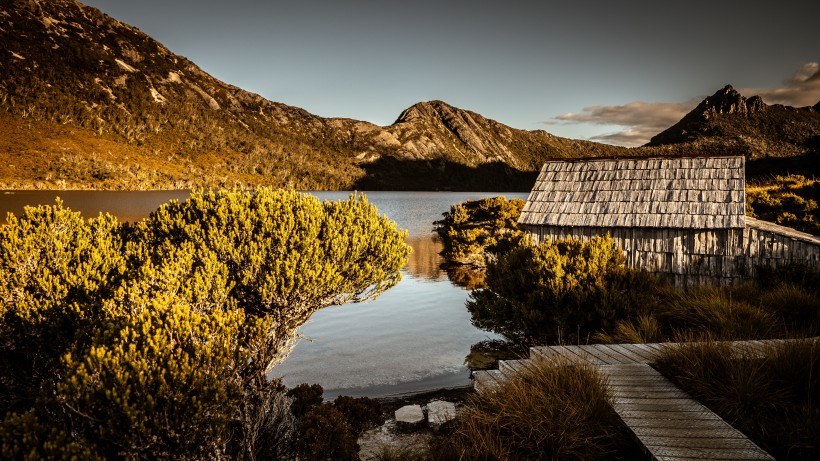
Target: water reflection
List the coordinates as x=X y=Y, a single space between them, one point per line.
x=470 y=278
x=425 y=261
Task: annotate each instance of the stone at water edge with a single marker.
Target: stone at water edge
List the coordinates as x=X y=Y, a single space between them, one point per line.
x=440 y=412
x=409 y=417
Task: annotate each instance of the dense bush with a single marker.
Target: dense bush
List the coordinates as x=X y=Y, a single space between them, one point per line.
x=565 y=289
x=152 y=340
x=475 y=229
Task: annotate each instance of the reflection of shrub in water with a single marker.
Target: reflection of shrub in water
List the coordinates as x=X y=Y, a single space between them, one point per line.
x=471 y=278
x=486 y=354
x=425 y=262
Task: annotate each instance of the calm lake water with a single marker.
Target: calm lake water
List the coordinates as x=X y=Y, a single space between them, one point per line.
x=412 y=338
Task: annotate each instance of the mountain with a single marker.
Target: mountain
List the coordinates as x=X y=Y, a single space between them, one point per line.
x=88 y=101
x=729 y=121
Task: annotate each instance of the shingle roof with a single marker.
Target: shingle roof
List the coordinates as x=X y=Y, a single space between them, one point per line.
x=668 y=192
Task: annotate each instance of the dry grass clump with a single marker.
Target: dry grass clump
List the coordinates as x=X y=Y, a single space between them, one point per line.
x=785 y=308
x=773 y=398
x=552 y=411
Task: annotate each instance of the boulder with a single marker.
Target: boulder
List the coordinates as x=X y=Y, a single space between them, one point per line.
x=409 y=417
x=440 y=412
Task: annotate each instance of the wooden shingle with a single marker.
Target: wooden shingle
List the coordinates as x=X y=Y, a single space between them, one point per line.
x=668 y=192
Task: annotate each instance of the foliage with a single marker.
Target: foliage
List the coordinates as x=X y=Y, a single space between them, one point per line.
x=362 y=413
x=473 y=229
x=549 y=411
x=789 y=200
x=304 y=397
x=329 y=431
x=286 y=254
x=326 y=436
x=57 y=274
x=566 y=289
x=152 y=340
x=772 y=398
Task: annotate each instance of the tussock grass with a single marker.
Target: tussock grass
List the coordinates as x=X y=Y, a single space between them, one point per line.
x=774 y=398
x=780 y=309
x=552 y=411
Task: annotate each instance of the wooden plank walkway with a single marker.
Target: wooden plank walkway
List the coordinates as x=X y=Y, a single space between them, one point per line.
x=666 y=422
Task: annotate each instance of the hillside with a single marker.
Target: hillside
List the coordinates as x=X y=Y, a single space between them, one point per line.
x=92 y=102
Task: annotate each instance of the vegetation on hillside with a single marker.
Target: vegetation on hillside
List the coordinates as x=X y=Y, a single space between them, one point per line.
x=789 y=200
x=153 y=340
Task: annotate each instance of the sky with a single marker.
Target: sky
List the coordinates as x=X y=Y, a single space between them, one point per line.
x=616 y=72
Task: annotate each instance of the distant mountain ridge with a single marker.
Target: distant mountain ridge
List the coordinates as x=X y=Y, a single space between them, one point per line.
x=748 y=125
x=89 y=101
x=69 y=65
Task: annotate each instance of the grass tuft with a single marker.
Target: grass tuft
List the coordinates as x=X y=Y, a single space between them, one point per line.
x=552 y=411
x=773 y=398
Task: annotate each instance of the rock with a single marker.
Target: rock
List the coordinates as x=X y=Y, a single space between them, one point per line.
x=440 y=412
x=409 y=417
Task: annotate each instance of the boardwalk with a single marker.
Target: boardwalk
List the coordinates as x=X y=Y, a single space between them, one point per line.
x=667 y=423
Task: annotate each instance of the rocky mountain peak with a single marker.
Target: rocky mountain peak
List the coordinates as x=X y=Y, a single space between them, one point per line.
x=729 y=101
x=425 y=110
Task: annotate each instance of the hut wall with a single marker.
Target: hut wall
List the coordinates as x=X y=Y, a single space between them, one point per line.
x=693 y=255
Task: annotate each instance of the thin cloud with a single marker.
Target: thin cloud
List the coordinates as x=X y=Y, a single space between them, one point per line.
x=802 y=89
x=641 y=120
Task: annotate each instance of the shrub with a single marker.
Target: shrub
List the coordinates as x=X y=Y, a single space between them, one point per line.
x=566 y=289
x=304 y=397
x=361 y=413
x=153 y=341
x=326 y=436
x=477 y=228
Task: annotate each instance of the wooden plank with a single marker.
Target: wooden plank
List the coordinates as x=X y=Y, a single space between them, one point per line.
x=698 y=442
x=710 y=453
x=644 y=349
x=604 y=354
x=629 y=356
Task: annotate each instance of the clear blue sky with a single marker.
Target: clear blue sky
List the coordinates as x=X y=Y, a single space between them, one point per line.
x=617 y=69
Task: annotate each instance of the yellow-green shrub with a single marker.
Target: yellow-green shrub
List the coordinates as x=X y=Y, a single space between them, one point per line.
x=567 y=289
x=152 y=341
x=474 y=228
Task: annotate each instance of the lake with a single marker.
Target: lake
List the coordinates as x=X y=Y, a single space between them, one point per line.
x=412 y=338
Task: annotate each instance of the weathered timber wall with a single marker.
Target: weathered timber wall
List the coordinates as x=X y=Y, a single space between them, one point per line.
x=694 y=255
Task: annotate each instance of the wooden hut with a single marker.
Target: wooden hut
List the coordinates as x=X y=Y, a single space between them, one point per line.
x=679 y=216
